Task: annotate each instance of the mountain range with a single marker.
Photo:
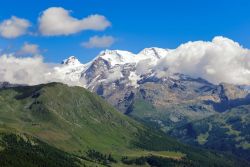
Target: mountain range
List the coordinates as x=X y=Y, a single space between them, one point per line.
x=134 y=85
x=161 y=102
x=57 y=125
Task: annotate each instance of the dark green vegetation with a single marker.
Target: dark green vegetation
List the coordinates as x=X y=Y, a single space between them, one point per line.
x=88 y=131
x=156 y=161
x=229 y=131
x=25 y=151
x=99 y=157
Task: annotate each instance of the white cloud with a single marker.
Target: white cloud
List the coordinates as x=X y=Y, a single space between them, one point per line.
x=27 y=70
x=99 y=42
x=58 y=21
x=221 y=60
x=14 y=27
x=31 y=71
x=29 y=49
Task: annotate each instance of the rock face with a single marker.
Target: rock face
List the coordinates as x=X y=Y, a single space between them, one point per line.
x=132 y=83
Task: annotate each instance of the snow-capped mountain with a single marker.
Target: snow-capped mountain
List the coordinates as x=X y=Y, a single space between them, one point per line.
x=144 y=86
x=110 y=66
x=121 y=77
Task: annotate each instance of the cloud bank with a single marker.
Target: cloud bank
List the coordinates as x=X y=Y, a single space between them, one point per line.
x=57 y=21
x=32 y=71
x=221 y=60
x=99 y=42
x=23 y=70
x=14 y=27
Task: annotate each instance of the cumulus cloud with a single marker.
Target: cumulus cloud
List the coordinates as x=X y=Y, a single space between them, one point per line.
x=58 y=21
x=29 y=49
x=221 y=60
x=14 y=27
x=99 y=42
x=23 y=70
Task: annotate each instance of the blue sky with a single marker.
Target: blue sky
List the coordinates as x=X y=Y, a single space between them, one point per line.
x=136 y=24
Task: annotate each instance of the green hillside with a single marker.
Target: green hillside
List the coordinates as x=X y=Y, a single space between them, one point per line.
x=228 y=132
x=88 y=130
x=22 y=150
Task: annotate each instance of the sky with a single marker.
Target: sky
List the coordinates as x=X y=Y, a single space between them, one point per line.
x=125 y=24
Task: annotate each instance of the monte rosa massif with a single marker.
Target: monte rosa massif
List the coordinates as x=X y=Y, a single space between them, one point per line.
x=198 y=92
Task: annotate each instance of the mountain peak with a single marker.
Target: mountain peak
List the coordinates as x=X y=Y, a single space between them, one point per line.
x=115 y=57
x=72 y=60
x=154 y=52
x=115 y=53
